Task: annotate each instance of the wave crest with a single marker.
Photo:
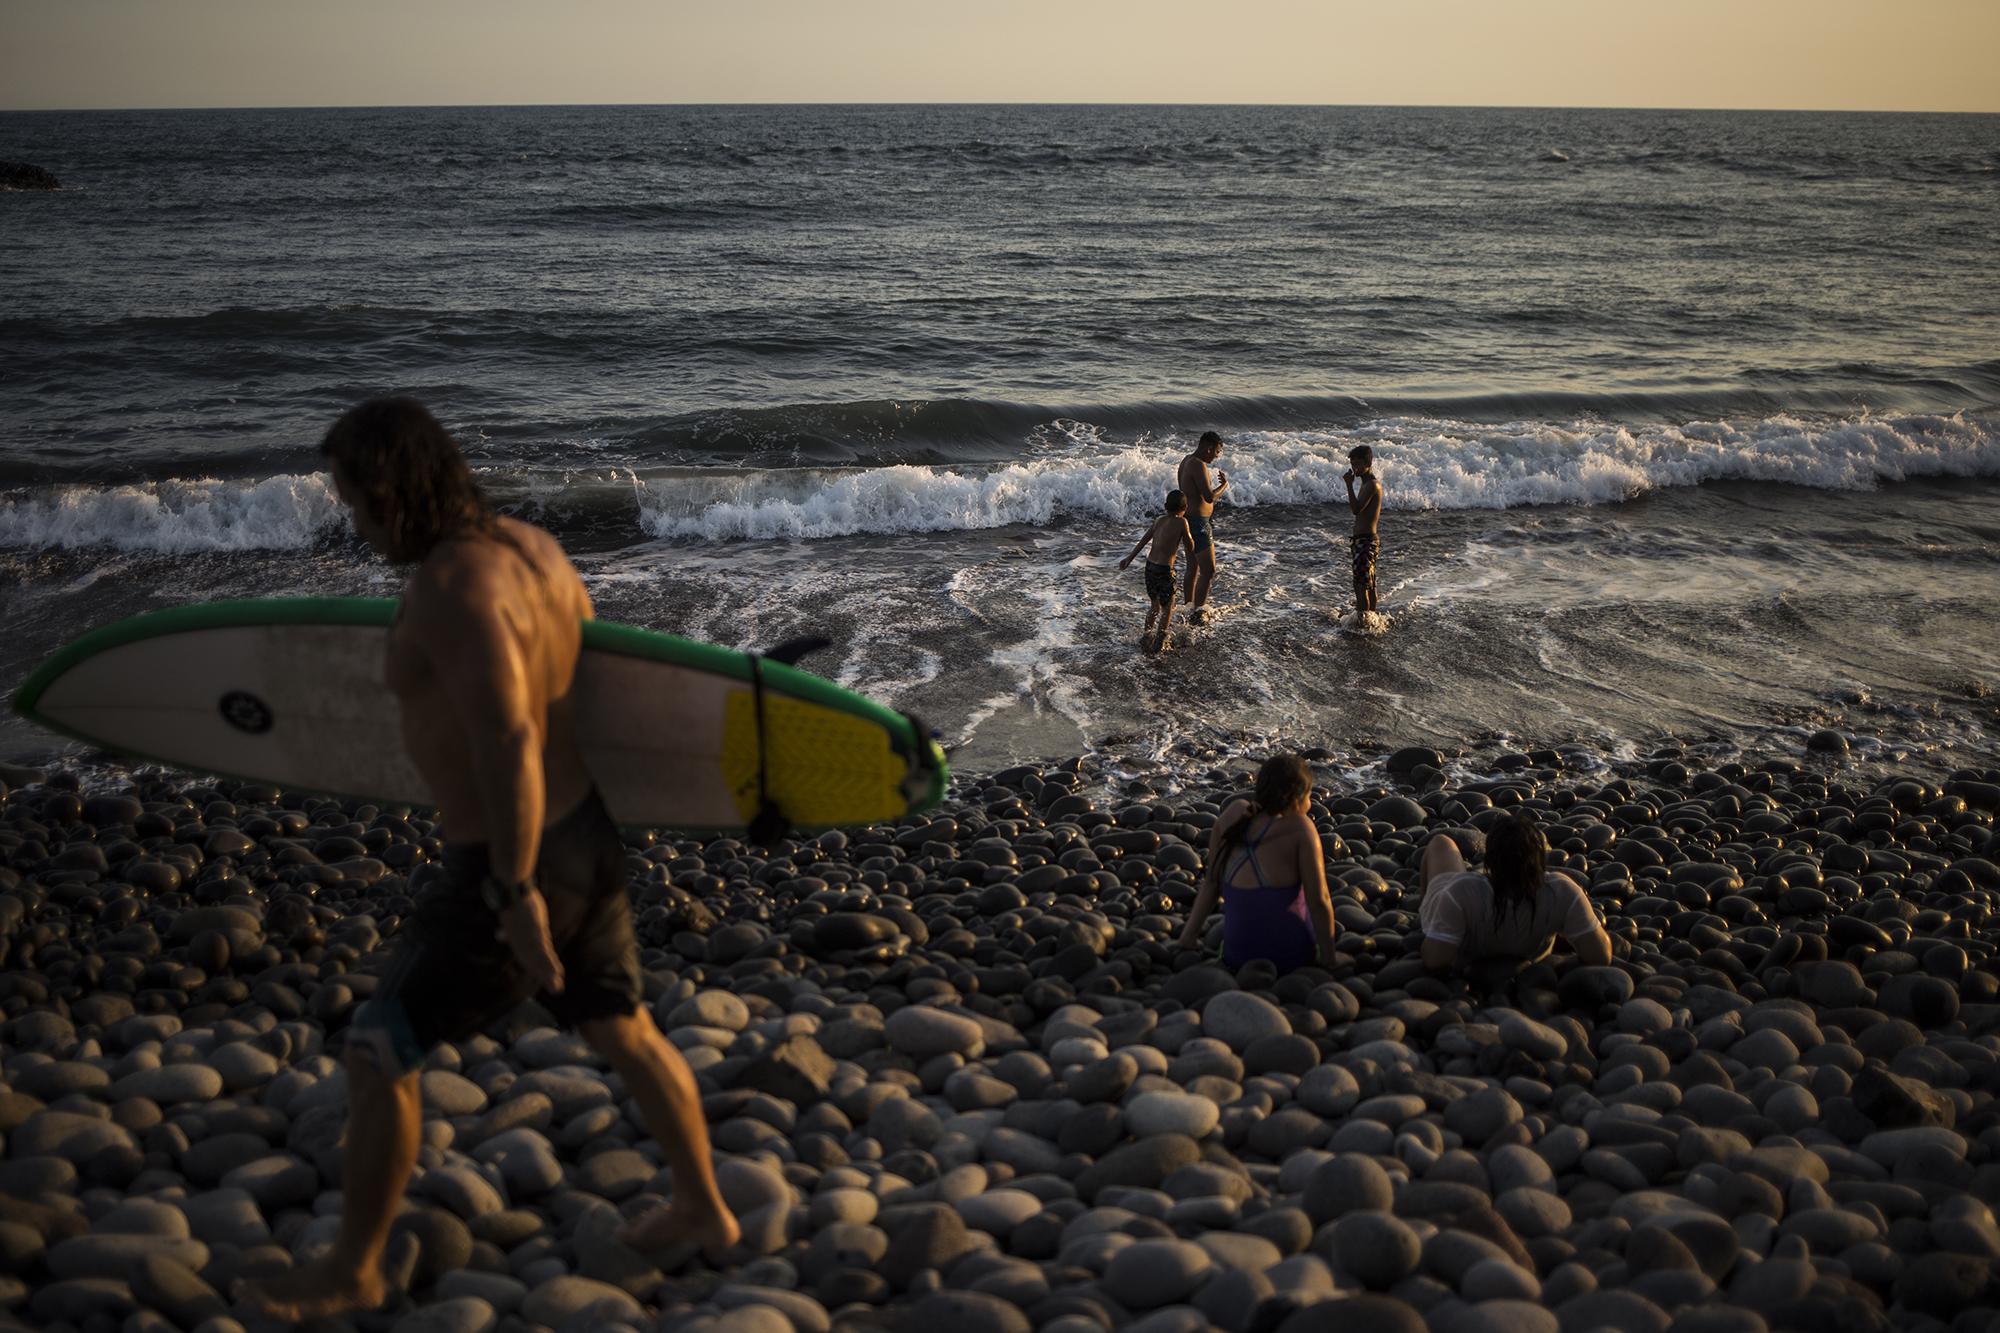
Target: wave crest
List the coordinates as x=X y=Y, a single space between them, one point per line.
x=1424 y=464
x=174 y=517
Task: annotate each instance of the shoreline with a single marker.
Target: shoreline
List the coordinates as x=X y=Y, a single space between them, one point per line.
x=956 y=1069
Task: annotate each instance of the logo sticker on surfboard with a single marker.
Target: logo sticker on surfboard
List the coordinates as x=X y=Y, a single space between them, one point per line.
x=245 y=712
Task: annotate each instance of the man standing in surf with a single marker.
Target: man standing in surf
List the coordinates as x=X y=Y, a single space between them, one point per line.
x=1201 y=497
x=1364 y=545
x=532 y=898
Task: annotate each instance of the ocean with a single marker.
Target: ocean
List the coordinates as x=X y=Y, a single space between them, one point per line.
x=1689 y=422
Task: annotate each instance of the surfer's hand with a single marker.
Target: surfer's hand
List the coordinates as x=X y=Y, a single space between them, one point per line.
x=525 y=928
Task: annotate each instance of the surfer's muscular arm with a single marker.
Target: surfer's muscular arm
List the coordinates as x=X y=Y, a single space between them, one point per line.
x=479 y=664
x=462 y=627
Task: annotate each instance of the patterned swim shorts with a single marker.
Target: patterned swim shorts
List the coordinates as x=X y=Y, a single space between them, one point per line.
x=1363 y=550
x=1160 y=584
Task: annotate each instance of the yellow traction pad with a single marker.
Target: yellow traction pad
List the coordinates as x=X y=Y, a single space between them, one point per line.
x=824 y=766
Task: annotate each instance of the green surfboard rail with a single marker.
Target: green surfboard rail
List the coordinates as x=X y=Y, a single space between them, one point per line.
x=380 y=612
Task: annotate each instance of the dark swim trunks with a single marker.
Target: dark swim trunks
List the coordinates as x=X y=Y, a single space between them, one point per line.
x=1363 y=550
x=450 y=977
x=1160 y=583
x=1202 y=528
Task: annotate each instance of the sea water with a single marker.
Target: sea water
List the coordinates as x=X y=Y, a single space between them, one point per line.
x=1689 y=422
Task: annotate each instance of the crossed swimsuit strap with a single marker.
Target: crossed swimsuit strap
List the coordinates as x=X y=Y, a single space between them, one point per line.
x=1249 y=850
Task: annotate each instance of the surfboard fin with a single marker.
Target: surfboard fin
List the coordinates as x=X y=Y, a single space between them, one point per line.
x=791 y=650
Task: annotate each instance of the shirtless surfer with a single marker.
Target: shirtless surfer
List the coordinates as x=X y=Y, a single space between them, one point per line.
x=1201 y=497
x=1169 y=534
x=1366 y=506
x=532 y=897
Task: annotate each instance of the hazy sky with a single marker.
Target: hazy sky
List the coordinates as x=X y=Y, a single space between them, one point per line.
x=1892 y=55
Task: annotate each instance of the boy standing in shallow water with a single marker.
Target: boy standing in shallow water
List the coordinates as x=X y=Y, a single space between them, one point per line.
x=1364 y=545
x=1169 y=534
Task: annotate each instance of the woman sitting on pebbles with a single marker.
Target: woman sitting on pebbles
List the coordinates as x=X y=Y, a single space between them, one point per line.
x=1264 y=861
x=1513 y=911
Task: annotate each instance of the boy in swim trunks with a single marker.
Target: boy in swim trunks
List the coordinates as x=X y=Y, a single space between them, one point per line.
x=1169 y=534
x=1366 y=506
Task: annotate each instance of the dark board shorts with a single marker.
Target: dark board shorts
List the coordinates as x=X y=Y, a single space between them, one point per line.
x=449 y=977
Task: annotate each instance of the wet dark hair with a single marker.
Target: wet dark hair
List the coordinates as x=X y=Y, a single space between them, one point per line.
x=410 y=474
x=1282 y=780
x=1176 y=502
x=1517 y=857
x=1208 y=437
x=1361 y=455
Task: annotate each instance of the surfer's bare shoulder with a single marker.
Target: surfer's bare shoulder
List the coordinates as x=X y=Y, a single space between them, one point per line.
x=460 y=606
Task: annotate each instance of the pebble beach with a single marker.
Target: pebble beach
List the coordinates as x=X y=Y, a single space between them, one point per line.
x=960 y=1075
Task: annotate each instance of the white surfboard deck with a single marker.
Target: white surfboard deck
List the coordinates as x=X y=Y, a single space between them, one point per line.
x=291 y=691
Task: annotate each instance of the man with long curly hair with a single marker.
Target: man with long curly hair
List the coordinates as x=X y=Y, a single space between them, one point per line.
x=531 y=901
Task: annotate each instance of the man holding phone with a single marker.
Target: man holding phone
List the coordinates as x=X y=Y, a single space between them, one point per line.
x=1201 y=497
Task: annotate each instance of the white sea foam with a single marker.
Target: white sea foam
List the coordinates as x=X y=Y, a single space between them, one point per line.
x=174 y=517
x=1424 y=464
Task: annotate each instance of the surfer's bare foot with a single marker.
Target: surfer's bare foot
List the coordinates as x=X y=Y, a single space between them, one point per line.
x=317 y=1291
x=683 y=1225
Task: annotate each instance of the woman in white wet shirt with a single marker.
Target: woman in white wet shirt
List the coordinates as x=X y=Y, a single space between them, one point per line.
x=1515 y=910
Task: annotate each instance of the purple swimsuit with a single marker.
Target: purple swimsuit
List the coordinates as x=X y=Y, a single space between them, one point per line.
x=1268 y=921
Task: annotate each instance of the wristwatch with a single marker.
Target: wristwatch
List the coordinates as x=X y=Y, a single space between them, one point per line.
x=499 y=895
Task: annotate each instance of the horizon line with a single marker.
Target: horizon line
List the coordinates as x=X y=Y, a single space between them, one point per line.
x=1329 y=106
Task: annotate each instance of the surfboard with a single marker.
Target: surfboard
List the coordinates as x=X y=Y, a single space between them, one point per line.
x=676 y=733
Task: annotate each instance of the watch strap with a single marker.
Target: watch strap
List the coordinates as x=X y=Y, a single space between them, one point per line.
x=499 y=895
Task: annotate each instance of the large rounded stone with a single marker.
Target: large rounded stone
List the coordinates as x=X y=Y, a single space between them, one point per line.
x=159 y=1283
x=1150 y=1273
x=74 y=1137
x=1482 y=1115
x=451 y=1094
x=1348 y=1183
x=242 y=1065
x=1238 y=1019
x=1143 y=1164
x=1378 y=1249
x=930 y=1238
x=1929 y=1002
x=171 y=1085
x=561 y=1299
x=1521 y=1033
x=923 y=1031
x=460 y=1314
x=1171 y=1113
x=967 y=1312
